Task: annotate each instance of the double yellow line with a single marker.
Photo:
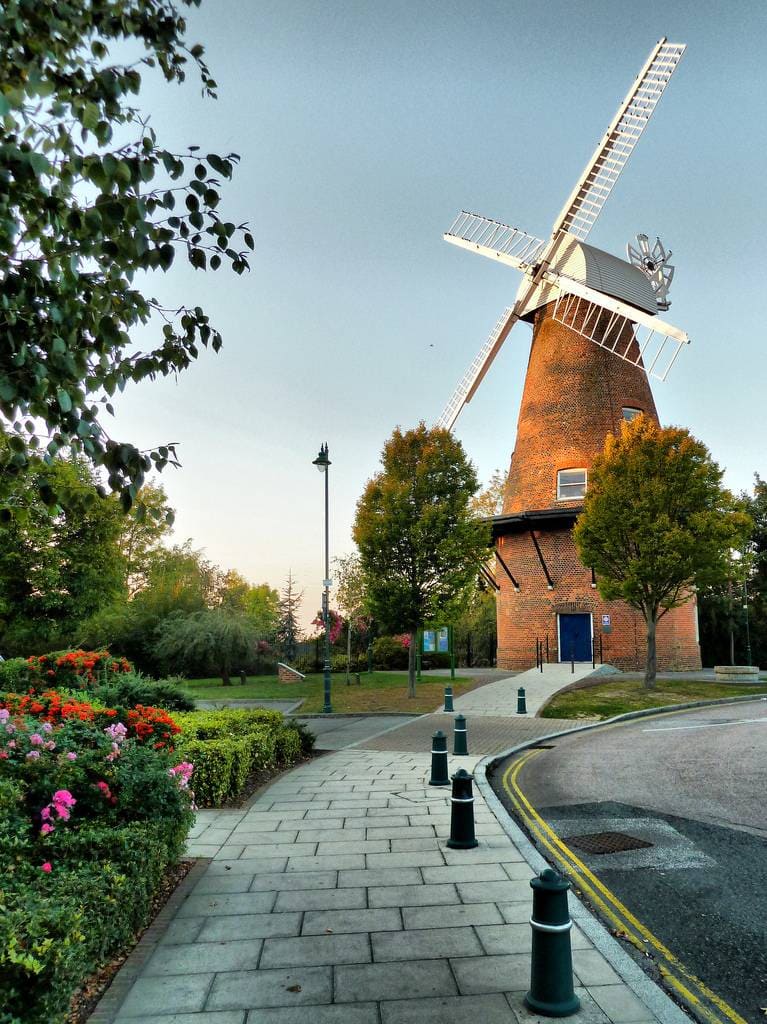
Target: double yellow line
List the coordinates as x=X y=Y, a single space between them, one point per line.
x=705 y=1003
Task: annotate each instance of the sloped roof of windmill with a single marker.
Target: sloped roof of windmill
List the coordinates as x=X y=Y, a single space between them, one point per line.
x=601 y=271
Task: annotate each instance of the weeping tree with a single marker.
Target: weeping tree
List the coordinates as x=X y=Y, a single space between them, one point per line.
x=657 y=524
x=420 y=541
x=221 y=639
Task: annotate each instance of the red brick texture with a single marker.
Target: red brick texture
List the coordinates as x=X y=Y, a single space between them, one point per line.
x=573 y=396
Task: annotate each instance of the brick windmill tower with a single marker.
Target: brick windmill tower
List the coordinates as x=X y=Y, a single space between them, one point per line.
x=596 y=341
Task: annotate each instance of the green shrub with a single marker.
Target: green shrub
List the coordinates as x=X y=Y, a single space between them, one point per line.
x=389 y=653
x=228 y=747
x=130 y=689
x=56 y=929
x=15 y=675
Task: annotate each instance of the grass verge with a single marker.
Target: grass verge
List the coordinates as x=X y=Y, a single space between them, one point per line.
x=379 y=691
x=618 y=696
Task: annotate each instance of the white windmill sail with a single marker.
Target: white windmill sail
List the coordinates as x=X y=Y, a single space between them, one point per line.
x=585 y=202
x=534 y=257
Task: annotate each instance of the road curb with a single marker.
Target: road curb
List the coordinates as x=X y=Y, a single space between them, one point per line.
x=650 y=993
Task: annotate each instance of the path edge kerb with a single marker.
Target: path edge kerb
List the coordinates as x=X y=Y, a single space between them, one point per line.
x=650 y=993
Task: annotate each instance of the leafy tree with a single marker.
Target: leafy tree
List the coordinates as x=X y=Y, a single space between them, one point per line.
x=231 y=591
x=288 y=628
x=352 y=600
x=262 y=606
x=489 y=501
x=475 y=631
x=143 y=530
x=657 y=522
x=733 y=614
x=58 y=565
x=90 y=200
x=217 y=637
x=419 y=541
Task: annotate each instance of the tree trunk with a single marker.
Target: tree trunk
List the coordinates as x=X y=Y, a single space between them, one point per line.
x=225 y=674
x=411 y=663
x=651 y=668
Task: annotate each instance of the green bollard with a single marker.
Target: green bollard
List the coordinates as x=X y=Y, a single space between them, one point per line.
x=449 y=698
x=462 y=813
x=439 y=776
x=551 y=969
x=460 y=743
x=521 y=701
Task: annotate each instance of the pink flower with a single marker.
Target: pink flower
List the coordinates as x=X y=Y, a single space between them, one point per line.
x=46 y=727
x=46 y=828
x=4 y=715
x=47 y=868
x=33 y=755
x=50 y=745
x=10 y=728
x=4 y=755
x=116 y=732
x=71 y=756
x=11 y=744
x=63 y=796
x=36 y=739
x=45 y=814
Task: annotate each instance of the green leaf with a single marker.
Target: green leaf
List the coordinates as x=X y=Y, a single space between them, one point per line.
x=90 y=116
x=65 y=402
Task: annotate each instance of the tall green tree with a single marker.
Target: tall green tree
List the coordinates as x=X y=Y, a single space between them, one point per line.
x=288 y=626
x=58 y=565
x=420 y=542
x=144 y=529
x=261 y=604
x=90 y=202
x=657 y=522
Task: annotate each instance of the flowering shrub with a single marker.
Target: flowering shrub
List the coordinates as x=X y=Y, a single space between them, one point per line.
x=92 y=810
x=145 y=724
x=74 y=670
x=337 y=623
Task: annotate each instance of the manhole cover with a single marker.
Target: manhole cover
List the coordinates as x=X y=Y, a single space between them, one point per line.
x=607 y=842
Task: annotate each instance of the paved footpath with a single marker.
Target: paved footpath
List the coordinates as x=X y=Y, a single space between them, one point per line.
x=333 y=899
x=499 y=698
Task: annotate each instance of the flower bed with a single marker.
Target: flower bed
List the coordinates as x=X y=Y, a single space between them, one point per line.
x=93 y=809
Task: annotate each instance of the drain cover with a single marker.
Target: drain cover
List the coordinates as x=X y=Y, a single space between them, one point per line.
x=607 y=842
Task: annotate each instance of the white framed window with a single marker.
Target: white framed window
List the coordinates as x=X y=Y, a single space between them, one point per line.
x=571 y=484
x=630 y=413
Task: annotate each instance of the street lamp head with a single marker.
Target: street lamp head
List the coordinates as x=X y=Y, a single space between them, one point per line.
x=322 y=461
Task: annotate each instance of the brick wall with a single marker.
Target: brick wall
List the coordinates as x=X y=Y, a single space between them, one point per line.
x=573 y=396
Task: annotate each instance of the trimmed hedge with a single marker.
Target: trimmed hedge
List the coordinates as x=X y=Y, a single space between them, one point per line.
x=228 y=747
x=57 y=929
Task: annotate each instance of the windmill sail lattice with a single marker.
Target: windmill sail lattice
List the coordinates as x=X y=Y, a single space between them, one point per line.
x=592 y=190
x=542 y=262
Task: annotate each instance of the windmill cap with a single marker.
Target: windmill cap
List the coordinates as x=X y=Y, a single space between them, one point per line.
x=599 y=270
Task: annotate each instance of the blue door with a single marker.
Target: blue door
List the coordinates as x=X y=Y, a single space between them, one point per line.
x=575 y=637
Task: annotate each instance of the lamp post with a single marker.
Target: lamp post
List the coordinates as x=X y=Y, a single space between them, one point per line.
x=322 y=462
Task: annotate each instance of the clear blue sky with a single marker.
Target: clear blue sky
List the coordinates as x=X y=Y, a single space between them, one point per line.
x=364 y=127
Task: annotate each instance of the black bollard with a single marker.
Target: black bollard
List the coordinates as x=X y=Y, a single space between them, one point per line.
x=462 y=813
x=243 y=677
x=439 y=776
x=521 y=701
x=551 y=968
x=448 y=698
x=460 y=742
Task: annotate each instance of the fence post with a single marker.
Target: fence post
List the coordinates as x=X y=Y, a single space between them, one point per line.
x=572 y=657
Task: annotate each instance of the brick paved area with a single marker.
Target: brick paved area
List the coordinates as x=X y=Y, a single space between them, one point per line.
x=486 y=734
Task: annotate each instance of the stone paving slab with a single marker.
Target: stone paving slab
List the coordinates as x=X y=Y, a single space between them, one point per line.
x=334 y=899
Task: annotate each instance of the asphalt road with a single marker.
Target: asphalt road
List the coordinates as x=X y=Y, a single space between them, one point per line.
x=694 y=786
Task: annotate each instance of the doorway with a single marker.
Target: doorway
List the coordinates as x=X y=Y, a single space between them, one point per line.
x=574 y=637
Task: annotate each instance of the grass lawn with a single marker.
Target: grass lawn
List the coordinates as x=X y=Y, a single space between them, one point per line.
x=617 y=696
x=380 y=691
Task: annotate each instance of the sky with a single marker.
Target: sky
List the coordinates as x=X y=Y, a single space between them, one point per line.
x=364 y=126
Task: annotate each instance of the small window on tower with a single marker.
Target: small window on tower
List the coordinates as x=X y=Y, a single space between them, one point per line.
x=630 y=413
x=571 y=484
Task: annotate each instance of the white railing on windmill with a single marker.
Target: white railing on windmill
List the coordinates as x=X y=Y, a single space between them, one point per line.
x=548 y=265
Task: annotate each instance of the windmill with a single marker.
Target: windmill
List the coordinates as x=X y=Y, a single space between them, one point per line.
x=597 y=339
